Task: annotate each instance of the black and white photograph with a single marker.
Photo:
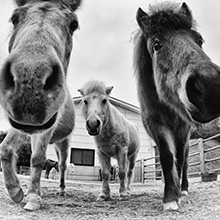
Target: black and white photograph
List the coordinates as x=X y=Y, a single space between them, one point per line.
x=109 y=110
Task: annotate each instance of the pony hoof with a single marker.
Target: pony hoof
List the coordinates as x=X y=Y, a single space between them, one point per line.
x=62 y=194
x=18 y=197
x=170 y=206
x=184 y=193
x=30 y=206
x=124 y=195
x=34 y=203
x=103 y=198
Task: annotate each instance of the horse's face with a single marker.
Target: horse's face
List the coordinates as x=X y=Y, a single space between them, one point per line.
x=32 y=79
x=184 y=76
x=95 y=109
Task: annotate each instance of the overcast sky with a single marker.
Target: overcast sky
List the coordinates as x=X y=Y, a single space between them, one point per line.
x=103 y=48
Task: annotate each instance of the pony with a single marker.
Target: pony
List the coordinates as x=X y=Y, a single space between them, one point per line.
x=114 y=135
x=33 y=90
x=71 y=168
x=112 y=173
x=178 y=85
x=49 y=164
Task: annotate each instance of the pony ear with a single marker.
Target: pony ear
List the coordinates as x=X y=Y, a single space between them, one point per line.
x=74 y=4
x=185 y=11
x=109 y=89
x=80 y=91
x=20 y=2
x=142 y=18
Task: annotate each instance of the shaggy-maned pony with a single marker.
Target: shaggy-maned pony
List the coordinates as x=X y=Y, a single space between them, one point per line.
x=33 y=90
x=114 y=135
x=177 y=83
x=49 y=164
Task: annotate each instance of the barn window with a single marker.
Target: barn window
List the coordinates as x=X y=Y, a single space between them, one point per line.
x=83 y=157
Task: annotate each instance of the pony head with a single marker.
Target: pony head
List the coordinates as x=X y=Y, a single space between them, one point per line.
x=32 y=79
x=169 y=50
x=95 y=105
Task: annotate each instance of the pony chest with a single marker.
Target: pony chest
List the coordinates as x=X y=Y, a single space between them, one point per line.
x=111 y=146
x=111 y=150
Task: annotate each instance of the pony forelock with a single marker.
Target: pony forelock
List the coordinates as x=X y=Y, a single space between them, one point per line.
x=168 y=16
x=94 y=86
x=73 y=4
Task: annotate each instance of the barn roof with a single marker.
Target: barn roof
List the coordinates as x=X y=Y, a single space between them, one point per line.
x=116 y=102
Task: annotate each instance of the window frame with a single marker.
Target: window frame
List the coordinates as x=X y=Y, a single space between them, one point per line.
x=83 y=150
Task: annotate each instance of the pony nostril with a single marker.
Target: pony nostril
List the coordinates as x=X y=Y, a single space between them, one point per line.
x=87 y=124
x=7 y=78
x=54 y=79
x=195 y=91
x=98 y=123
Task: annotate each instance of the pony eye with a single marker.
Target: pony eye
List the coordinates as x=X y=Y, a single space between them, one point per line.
x=104 y=101
x=85 y=102
x=200 y=41
x=156 y=46
x=73 y=25
x=15 y=19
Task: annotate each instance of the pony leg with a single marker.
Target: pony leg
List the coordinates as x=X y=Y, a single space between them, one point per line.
x=130 y=171
x=47 y=172
x=185 y=182
x=8 y=159
x=122 y=169
x=38 y=158
x=62 y=154
x=167 y=150
x=181 y=140
x=106 y=166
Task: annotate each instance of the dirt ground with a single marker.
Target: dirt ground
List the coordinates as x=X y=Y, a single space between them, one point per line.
x=203 y=202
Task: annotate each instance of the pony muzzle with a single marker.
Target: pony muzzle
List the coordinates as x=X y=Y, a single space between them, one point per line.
x=204 y=93
x=93 y=126
x=31 y=129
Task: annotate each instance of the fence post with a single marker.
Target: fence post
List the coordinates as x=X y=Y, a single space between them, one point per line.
x=142 y=170
x=202 y=155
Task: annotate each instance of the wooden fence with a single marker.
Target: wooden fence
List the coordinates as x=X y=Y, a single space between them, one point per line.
x=204 y=156
x=201 y=159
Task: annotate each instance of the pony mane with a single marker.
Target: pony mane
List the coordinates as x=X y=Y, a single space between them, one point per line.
x=167 y=16
x=142 y=62
x=164 y=6
x=94 y=86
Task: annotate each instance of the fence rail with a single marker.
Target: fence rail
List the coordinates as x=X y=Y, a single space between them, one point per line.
x=198 y=161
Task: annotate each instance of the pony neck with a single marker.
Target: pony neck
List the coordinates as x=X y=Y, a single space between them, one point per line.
x=144 y=69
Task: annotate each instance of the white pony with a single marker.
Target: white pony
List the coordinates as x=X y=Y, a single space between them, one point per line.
x=114 y=135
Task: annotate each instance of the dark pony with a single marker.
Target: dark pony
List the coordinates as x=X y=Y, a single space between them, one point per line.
x=177 y=84
x=33 y=90
x=49 y=164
